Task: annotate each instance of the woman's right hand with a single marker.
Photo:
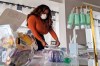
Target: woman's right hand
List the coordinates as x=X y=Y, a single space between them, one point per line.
x=44 y=43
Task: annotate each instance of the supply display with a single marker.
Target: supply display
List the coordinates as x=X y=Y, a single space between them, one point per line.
x=79 y=18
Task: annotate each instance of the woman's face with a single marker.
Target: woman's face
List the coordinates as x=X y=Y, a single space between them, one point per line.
x=44 y=14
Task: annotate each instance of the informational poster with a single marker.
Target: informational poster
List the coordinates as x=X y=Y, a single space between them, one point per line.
x=6 y=41
x=6 y=36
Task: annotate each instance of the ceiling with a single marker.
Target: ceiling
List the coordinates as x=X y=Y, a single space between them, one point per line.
x=60 y=1
x=95 y=2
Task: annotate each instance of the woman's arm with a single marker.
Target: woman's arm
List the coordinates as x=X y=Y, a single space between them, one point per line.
x=53 y=34
x=32 y=26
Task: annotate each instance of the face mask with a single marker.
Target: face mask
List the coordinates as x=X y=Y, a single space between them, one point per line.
x=43 y=16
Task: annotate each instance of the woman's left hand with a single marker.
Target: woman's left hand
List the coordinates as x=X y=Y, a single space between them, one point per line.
x=57 y=43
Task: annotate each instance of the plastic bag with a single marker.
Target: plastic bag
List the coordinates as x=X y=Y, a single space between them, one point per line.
x=20 y=58
x=24 y=50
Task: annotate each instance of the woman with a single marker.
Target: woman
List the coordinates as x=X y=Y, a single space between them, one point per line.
x=40 y=23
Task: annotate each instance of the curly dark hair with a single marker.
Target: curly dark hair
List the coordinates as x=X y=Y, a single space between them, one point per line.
x=38 y=10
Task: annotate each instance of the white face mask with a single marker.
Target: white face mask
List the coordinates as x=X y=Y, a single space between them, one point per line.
x=43 y=16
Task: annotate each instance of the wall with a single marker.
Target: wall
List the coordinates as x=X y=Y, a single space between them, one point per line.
x=62 y=24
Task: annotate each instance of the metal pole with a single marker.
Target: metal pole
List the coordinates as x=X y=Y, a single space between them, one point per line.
x=94 y=37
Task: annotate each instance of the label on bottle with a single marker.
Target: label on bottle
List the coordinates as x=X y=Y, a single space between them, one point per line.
x=4 y=56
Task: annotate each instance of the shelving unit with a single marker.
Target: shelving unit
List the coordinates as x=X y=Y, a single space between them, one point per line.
x=92 y=33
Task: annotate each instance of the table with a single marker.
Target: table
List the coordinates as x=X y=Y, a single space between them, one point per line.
x=42 y=62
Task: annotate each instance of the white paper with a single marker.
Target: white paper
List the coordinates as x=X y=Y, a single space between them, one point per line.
x=6 y=36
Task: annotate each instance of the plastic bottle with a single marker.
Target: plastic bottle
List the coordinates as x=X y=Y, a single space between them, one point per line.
x=77 y=19
x=71 y=19
x=82 y=18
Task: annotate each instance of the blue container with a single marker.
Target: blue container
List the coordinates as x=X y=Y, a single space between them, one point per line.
x=56 y=56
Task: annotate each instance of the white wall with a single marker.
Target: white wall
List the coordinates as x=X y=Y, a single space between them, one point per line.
x=62 y=28
x=60 y=7
x=96 y=15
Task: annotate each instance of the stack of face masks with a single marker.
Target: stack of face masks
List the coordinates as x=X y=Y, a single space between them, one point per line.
x=54 y=55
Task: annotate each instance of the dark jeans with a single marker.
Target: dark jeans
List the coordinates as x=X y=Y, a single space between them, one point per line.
x=40 y=46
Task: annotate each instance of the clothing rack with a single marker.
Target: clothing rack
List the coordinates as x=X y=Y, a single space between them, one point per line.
x=24 y=6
